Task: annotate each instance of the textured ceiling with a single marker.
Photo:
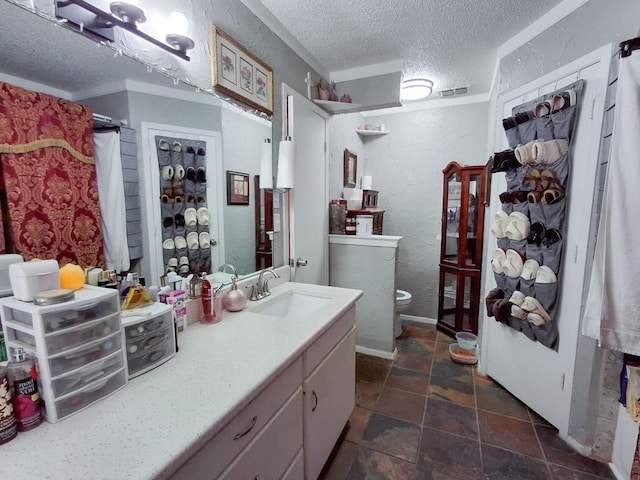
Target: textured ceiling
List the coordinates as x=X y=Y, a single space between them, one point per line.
x=452 y=42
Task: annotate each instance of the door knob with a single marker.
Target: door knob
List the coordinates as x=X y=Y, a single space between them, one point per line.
x=301 y=262
x=213 y=242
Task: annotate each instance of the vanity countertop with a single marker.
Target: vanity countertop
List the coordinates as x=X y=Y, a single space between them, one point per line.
x=153 y=425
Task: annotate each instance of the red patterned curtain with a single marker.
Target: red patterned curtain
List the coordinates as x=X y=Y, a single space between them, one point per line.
x=49 y=179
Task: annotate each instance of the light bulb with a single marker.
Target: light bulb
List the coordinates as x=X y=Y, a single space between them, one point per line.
x=178 y=23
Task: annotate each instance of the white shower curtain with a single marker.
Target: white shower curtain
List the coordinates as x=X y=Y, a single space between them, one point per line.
x=112 y=203
x=612 y=311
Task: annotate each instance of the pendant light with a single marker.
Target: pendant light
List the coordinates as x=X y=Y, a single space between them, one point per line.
x=286 y=164
x=266 y=165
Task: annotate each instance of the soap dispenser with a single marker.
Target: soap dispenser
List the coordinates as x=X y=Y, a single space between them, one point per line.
x=235 y=300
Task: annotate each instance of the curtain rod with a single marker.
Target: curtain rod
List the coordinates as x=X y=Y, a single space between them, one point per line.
x=627 y=47
x=107 y=129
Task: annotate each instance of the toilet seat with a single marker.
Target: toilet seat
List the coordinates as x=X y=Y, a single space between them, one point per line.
x=402 y=297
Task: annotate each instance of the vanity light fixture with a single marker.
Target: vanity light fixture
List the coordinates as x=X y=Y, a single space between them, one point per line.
x=286 y=164
x=416 y=89
x=266 y=165
x=86 y=17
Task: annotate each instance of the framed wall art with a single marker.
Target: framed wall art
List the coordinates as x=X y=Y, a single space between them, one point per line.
x=350 y=168
x=237 y=73
x=237 y=188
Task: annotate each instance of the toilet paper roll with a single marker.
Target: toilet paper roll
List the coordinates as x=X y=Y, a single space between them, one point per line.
x=367 y=182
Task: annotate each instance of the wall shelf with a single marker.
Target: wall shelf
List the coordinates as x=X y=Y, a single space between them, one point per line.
x=335 y=107
x=371 y=133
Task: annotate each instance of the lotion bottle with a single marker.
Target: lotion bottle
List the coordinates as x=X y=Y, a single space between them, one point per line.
x=24 y=388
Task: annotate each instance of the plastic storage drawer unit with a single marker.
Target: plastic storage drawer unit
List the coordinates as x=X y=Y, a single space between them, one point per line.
x=150 y=337
x=78 y=346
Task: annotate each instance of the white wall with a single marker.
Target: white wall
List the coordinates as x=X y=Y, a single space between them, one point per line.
x=406 y=166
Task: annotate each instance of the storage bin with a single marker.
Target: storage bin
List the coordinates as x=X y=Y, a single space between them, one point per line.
x=78 y=347
x=30 y=278
x=5 y=283
x=150 y=337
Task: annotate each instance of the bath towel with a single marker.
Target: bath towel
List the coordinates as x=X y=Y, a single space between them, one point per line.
x=112 y=203
x=613 y=304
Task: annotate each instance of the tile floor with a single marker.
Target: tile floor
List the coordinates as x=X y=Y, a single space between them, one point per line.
x=424 y=417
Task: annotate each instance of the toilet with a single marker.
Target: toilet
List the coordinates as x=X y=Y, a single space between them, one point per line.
x=403 y=300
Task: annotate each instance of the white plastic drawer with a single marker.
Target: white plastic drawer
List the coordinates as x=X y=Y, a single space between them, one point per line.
x=81 y=356
x=86 y=396
x=66 y=339
x=67 y=315
x=146 y=360
x=61 y=320
x=136 y=331
x=80 y=378
x=149 y=342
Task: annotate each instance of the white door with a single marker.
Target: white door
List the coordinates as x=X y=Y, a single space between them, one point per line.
x=150 y=191
x=308 y=207
x=541 y=377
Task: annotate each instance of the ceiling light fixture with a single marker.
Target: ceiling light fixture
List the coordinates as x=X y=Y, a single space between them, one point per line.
x=416 y=89
x=86 y=17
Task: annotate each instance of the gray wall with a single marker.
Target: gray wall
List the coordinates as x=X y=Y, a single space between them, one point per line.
x=406 y=166
x=593 y=25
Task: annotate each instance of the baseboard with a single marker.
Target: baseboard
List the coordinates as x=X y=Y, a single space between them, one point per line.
x=377 y=353
x=617 y=473
x=425 y=320
x=578 y=447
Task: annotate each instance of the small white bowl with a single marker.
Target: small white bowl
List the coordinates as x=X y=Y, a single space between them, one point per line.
x=466 y=340
x=461 y=355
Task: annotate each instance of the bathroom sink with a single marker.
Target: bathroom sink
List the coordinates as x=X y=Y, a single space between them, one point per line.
x=291 y=305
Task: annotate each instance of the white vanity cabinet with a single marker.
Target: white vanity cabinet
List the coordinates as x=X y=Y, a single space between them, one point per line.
x=328 y=402
x=289 y=429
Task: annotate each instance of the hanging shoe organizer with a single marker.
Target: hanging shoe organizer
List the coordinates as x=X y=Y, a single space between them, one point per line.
x=186 y=246
x=529 y=228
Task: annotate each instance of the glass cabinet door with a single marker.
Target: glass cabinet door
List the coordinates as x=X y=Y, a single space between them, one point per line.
x=472 y=254
x=452 y=213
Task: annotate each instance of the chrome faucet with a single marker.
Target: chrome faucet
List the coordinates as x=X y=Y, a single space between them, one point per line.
x=228 y=268
x=263 y=283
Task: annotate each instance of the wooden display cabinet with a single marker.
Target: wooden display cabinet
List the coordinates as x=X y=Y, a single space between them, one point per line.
x=463 y=198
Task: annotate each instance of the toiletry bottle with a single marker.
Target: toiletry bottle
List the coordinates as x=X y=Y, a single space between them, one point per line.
x=8 y=427
x=24 y=388
x=207 y=301
x=235 y=300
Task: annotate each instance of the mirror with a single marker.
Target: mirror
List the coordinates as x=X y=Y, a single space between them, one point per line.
x=36 y=49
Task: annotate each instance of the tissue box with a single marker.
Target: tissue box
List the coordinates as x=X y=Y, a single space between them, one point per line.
x=178 y=300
